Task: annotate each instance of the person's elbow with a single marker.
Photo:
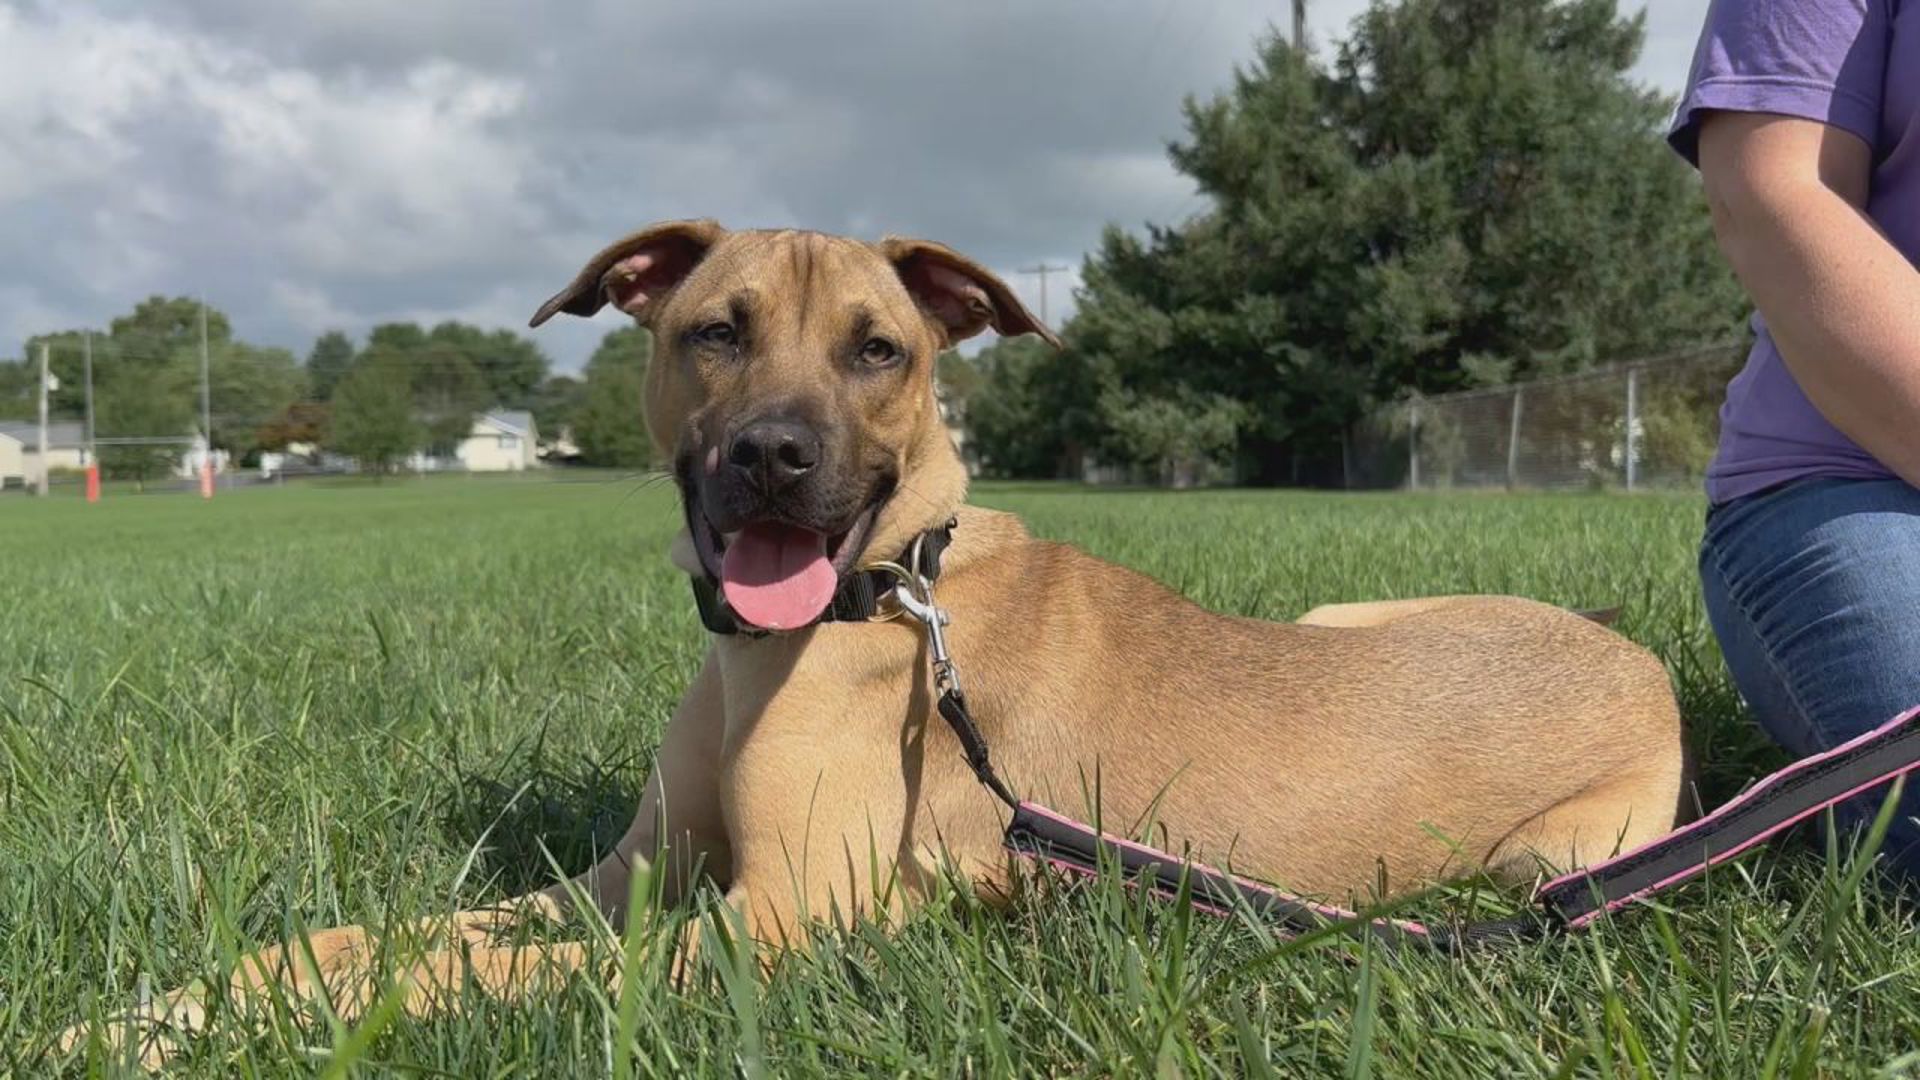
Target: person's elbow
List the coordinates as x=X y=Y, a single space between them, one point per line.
x=1747 y=221
x=1760 y=171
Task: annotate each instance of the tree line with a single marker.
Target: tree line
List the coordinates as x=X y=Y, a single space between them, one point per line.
x=405 y=389
x=1461 y=193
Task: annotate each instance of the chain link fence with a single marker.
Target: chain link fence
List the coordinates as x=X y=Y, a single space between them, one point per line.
x=1645 y=424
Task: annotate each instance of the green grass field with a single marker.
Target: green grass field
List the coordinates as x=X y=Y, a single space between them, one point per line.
x=314 y=706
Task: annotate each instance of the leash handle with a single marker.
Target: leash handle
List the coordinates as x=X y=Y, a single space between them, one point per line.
x=1778 y=802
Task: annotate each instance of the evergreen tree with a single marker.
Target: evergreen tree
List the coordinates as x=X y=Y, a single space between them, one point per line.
x=328 y=363
x=1469 y=192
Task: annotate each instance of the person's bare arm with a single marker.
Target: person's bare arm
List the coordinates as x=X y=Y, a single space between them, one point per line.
x=1843 y=305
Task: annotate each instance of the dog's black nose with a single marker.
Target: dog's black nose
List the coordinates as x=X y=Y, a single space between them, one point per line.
x=775 y=452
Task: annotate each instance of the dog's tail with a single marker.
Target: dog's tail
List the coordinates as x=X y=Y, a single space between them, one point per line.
x=1603 y=616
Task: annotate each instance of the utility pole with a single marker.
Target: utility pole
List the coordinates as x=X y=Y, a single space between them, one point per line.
x=1043 y=270
x=87 y=366
x=206 y=409
x=1513 y=439
x=46 y=377
x=1413 y=443
x=1300 y=26
x=1633 y=427
x=93 y=450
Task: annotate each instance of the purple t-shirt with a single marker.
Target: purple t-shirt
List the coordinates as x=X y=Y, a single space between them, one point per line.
x=1854 y=64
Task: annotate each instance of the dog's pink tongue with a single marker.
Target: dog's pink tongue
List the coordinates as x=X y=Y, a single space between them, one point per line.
x=777 y=577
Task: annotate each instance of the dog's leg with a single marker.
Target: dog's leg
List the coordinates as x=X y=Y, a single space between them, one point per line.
x=429 y=962
x=679 y=804
x=678 y=828
x=1619 y=814
x=850 y=853
x=776 y=909
x=825 y=848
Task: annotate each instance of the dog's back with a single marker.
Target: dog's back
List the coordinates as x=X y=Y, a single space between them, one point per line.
x=1311 y=751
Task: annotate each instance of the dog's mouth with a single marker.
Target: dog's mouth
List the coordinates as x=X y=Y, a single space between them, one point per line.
x=777 y=574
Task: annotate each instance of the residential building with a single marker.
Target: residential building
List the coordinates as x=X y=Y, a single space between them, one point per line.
x=20 y=459
x=953 y=415
x=502 y=440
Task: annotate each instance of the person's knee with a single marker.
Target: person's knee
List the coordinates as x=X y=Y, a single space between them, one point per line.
x=1811 y=592
x=1758 y=680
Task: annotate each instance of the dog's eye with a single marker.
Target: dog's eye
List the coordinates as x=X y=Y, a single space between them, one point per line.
x=717 y=333
x=879 y=352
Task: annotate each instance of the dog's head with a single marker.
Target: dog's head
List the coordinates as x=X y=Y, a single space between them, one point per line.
x=792 y=387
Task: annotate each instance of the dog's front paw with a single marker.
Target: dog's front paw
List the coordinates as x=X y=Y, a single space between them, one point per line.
x=150 y=1034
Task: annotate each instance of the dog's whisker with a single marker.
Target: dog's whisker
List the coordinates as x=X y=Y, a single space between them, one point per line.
x=639 y=482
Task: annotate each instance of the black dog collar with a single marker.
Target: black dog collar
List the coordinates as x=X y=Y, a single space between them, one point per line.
x=856 y=600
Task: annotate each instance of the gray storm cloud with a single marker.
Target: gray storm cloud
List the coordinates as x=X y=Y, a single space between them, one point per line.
x=339 y=163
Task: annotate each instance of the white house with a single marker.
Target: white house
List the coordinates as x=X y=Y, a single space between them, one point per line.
x=502 y=440
x=13 y=463
x=20 y=458
x=953 y=415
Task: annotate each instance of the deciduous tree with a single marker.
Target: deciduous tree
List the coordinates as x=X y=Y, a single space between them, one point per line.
x=373 y=419
x=609 y=426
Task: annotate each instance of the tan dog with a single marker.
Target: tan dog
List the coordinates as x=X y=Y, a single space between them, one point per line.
x=792 y=388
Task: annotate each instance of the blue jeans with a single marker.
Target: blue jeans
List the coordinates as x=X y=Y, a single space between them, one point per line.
x=1813 y=589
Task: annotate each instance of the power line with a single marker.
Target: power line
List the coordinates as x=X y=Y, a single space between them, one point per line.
x=1042 y=269
x=109 y=348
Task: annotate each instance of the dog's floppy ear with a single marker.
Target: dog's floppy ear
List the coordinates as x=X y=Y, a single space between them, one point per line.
x=965 y=296
x=634 y=271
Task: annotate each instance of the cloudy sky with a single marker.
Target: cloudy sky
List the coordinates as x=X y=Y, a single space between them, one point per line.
x=313 y=164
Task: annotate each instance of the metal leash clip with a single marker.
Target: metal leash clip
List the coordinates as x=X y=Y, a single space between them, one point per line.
x=914 y=596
